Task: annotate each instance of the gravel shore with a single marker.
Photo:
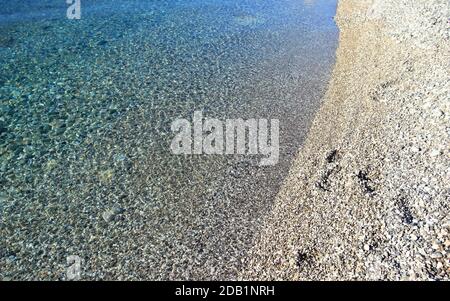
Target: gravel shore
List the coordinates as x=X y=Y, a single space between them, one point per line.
x=368 y=195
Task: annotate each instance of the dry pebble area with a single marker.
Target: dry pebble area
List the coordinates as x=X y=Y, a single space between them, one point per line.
x=368 y=197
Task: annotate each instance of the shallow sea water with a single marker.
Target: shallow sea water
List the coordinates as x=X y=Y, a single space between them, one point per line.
x=86 y=107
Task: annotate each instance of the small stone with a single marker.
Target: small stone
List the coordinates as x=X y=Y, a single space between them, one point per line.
x=120 y=158
x=11 y=258
x=415 y=149
x=446 y=224
x=435 y=153
x=422 y=252
x=436 y=255
x=413 y=237
x=366 y=247
x=51 y=164
x=277 y=261
x=435 y=246
x=110 y=214
x=106 y=175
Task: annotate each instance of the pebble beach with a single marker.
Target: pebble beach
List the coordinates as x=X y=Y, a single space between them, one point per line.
x=362 y=190
x=368 y=196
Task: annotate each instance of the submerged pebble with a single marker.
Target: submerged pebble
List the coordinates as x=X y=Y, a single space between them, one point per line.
x=110 y=214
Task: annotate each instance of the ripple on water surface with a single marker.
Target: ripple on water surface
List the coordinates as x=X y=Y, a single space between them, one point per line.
x=86 y=107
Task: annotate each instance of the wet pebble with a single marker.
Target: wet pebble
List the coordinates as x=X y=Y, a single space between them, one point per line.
x=110 y=214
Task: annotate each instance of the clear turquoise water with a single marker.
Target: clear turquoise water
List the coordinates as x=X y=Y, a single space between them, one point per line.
x=86 y=107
